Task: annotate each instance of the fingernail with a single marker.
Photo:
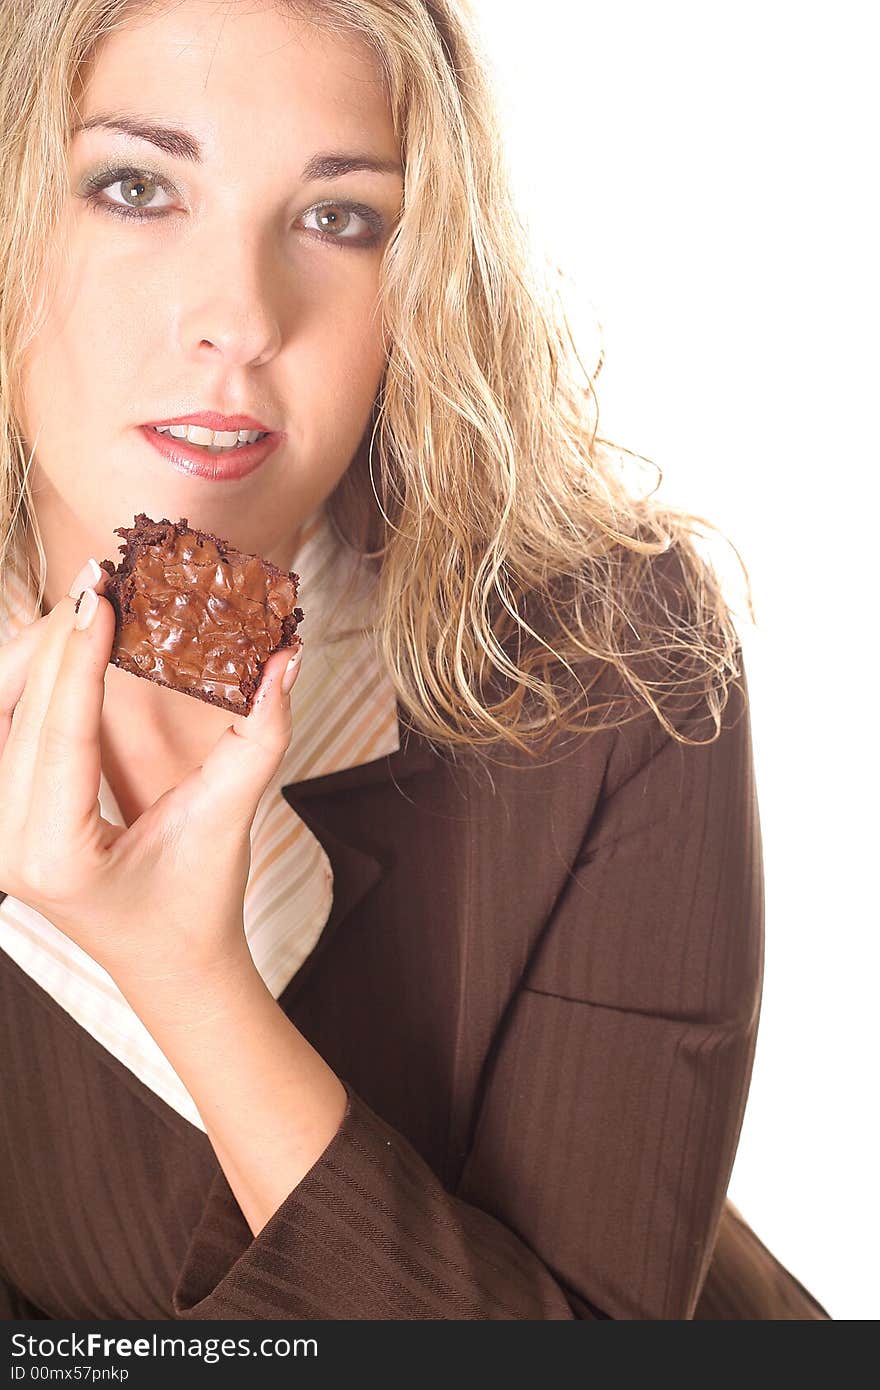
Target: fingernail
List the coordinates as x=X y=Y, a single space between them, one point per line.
x=86 y=608
x=89 y=574
x=291 y=671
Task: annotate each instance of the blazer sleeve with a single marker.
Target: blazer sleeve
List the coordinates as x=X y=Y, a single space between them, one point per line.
x=14 y=1307
x=611 y=1107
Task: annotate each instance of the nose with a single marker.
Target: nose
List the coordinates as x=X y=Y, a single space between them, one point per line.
x=231 y=306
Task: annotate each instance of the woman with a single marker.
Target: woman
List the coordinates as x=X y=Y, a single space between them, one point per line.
x=430 y=989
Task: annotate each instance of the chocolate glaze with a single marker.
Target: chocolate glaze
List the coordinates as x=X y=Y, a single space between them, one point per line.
x=195 y=614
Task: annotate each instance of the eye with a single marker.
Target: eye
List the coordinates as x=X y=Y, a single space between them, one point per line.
x=138 y=191
x=140 y=194
x=338 y=221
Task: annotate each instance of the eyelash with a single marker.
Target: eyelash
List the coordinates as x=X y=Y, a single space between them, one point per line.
x=108 y=177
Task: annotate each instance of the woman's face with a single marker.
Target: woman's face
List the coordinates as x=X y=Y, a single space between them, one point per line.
x=235 y=292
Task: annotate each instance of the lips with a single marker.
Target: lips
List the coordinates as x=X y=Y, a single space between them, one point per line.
x=195 y=461
x=212 y=420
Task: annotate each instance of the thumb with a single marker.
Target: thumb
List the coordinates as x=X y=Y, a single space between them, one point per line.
x=229 y=784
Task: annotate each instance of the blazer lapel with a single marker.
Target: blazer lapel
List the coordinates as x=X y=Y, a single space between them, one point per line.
x=415 y=754
x=318 y=801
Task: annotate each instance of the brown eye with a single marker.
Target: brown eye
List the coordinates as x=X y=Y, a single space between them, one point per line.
x=137 y=192
x=333 y=219
x=345 y=222
x=137 y=189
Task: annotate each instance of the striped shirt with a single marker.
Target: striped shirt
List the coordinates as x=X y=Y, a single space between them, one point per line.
x=344 y=714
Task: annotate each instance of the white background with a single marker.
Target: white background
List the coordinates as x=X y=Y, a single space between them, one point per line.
x=708 y=176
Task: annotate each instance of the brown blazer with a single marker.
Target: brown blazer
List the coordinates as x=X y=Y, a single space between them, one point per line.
x=541 y=988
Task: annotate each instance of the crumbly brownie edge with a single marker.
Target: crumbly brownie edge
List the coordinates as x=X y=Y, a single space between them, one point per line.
x=146 y=532
x=119 y=590
x=125 y=664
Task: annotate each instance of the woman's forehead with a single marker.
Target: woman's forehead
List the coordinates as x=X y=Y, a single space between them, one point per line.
x=236 y=70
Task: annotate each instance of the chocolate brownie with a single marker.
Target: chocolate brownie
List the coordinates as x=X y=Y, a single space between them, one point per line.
x=195 y=614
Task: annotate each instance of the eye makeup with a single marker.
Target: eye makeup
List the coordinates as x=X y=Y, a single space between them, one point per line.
x=103 y=178
x=91 y=188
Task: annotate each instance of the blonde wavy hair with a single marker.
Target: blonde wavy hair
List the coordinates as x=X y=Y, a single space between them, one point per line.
x=514 y=564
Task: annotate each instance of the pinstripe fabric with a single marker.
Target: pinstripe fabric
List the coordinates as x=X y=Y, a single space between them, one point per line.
x=345 y=714
x=544 y=1012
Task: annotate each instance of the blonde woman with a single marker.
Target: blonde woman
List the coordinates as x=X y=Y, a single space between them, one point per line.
x=429 y=989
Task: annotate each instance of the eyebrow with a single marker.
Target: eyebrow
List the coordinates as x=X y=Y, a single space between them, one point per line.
x=180 y=144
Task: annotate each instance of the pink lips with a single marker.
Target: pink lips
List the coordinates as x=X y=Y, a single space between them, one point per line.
x=212 y=420
x=216 y=468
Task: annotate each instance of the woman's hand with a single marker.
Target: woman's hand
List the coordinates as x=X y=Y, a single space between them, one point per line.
x=159 y=905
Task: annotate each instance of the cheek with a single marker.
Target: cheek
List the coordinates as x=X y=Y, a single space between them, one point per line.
x=342 y=355
x=87 y=351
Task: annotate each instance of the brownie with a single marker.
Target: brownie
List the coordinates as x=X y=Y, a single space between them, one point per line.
x=195 y=614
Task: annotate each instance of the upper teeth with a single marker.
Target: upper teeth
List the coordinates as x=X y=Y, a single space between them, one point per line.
x=218 y=439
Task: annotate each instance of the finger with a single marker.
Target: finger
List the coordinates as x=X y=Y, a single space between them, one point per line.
x=67 y=775
x=227 y=788
x=16 y=656
x=32 y=687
